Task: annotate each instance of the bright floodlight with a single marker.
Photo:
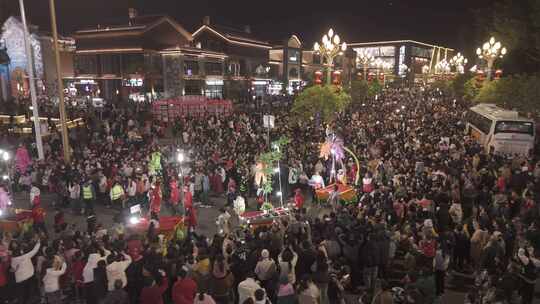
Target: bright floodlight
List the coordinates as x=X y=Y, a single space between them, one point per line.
x=5 y=156
x=276 y=170
x=279 y=193
x=5 y=177
x=180 y=157
x=1 y=212
x=134 y=220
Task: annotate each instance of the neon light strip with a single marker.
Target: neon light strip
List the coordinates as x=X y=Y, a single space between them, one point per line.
x=177 y=26
x=297 y=39
x=179 y=52
x=397 y=41
x=109 y=50
x=108 y=29
x=227 y=39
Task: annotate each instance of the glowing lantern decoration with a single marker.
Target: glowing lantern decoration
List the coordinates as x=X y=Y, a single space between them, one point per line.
x=318 y=76
x=337 y=78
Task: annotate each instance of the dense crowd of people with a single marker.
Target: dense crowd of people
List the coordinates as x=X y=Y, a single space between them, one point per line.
x=432 y=204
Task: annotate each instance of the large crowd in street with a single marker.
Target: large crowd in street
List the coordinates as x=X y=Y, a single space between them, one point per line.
x=432 y=205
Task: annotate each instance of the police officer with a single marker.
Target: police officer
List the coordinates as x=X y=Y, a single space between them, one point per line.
x=117 y=195
x=89 y=195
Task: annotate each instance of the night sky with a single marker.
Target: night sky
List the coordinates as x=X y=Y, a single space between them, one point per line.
x=447 y=23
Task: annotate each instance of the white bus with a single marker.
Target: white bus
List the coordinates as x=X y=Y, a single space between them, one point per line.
x=500 y=130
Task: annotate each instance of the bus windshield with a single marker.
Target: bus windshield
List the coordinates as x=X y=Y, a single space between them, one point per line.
x=522 y=127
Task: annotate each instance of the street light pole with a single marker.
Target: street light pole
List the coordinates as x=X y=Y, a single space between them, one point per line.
x=365 y=58
x=490 y=51
x=329 y=49
x=459 y=62
x=61 y=105
x=31 y=82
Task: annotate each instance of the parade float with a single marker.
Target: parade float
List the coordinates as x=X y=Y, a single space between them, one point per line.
x=333 y=152
x=15 y=220
x=267 y=166
x=171 y=227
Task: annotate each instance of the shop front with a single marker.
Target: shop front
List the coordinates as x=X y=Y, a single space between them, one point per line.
x=133 y=88
x=275 y=88
x=295 y=86
x=259 y=87
x=214 y=88
x=194 y=87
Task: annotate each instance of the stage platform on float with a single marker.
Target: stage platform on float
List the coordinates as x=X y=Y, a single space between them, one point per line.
x=347 y=194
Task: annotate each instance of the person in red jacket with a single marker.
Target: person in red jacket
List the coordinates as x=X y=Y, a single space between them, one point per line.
x=38 y=216
x=155 y=203
x=298 y=199
x=175 y=192
x=153 y=293
x=185 y=289
x=77 y=267
x=188 y=198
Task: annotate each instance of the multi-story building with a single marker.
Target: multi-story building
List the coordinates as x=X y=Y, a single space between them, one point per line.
x=154 y=56
x=244 y=68
x=403 y=58
x=125 y=60
x=150 y=57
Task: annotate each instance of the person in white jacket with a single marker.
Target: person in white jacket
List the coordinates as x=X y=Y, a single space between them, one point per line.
x=116 y=270
x=35 y=195
x=247 y=288
x=24 y=273
x=88 y=274
x=51 y=281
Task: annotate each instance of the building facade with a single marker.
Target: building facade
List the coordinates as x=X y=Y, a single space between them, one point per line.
x=124 y=61
x=13 y=65
x=404 y=58
x=153 y=57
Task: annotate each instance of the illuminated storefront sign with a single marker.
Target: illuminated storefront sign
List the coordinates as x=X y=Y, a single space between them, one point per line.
x=214 y=82
x=259 y=82
x=133 y=82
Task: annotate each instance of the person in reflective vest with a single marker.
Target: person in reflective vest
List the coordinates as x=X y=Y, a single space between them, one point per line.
x=89 y=195
x=117 y=195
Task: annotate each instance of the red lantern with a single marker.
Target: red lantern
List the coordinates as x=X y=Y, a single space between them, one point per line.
x=381 y=77
x=370 y=77
x=318 y=75
x=337 y=78
x=498 y=74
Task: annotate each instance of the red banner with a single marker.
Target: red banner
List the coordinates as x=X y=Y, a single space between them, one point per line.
x=168 y=109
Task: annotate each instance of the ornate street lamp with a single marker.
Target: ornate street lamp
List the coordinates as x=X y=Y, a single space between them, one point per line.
x=330 y=48
x=490 y=51
x=442 y=67
x=365 y=59
x=459 y=62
